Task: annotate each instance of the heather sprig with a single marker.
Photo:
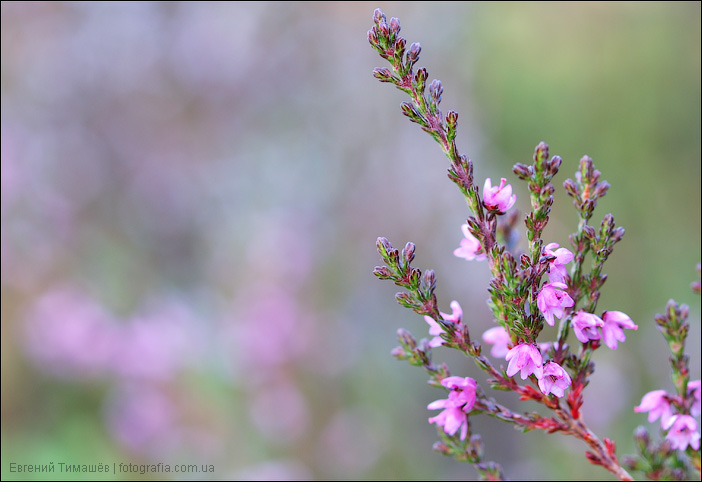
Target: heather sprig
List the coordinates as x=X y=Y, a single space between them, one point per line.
x=677 y=456
x=555 y=374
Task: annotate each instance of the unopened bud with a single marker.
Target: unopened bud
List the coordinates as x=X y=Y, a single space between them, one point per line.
x=571 y=188
x=382 y=74
x=373 y=37
x=541 y=152
x=408 y=252
x=442 y=448
x=414 y=50
x=378 y=16
x=523 y=171
x=398 y=352
x=406 y=338
x=395 y=25
x=436 y=89
x=554 y=164
x=586 y=169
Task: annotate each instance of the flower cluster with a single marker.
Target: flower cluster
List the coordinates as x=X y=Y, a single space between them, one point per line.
x=521 y=299
x=682 y=428
x=456 y=407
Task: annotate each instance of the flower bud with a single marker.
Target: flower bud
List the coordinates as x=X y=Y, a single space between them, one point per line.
x=414 y=50
x=373 y=37
x=571 y=188
x=383 y=75
x=408 y=252
x=436 y=89
x=541 y=152
x=395 y=25
x=523 y=171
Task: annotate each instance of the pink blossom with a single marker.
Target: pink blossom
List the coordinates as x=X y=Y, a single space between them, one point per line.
x=585 y=326
x=557 y=271
x=612 y=331
x=683 y=432
x=469 y=246
x=435 y=328
x=527 y=358
x=464 y=388
x=555 y=380
x=500 y=340
x=694 y=389
x=500 y=198
x=657 y=405
x=552 y=300
x=456 y=407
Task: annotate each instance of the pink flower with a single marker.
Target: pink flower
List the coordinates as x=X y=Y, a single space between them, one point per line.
x=612 y=331
x=683 y=432
x=500 y=198
x=694 y=389
x=500 y=339
x=456 y=407
x=555 y=380
x=552 y=300
x=469 y=246
x=435 y=328
x=585 y=326
x=657 y=405
x=463 y=389
x=526 y=358
x=557 y=271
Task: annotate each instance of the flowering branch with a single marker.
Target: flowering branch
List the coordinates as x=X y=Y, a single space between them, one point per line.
x=676 y=457
x=520 y=302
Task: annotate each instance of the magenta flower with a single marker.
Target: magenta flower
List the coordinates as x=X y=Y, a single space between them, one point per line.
x=694 y=389
x=500 y=198
x=552 y=300
x=527 y=358
x=469 y=247
x=612 y=331
x=456 y=407
x=464 y=388
x=657 y=405
x=683 y=432
x=555 y=380
x=585 y=326
x=557 y=271
x=435 y=328
x=500 y=340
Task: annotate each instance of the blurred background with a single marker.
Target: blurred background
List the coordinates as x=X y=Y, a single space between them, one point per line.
x=191 y=194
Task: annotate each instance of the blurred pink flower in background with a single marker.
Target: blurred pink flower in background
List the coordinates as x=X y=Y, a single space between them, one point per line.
x=683 y=432
x=693 y=387
x=159 y=344
x=469 y=246
x=500 y=340
x=143 y=418
x=267 y=327
x=69 y=334
x=657 y=405
x=279 y=411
